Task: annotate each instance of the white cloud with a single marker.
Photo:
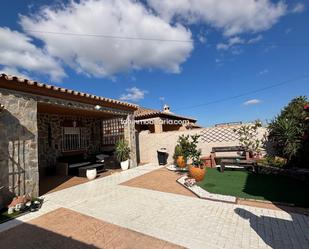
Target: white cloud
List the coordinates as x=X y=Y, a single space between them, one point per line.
x=14 y=71
x=231 y=42
x=133 y=94
x=18 y=53
x=265 y=71
x=236 y=40
x=233 y=17
x=252 y=102
x=298 y=8
x=288 y=31
x=104 y=57
x=255 y=39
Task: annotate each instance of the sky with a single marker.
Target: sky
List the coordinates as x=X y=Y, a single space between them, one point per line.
x=211 y=60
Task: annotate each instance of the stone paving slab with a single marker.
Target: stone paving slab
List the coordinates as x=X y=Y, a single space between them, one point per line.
x=182 y=220
x=160 y=180
x=63 y=228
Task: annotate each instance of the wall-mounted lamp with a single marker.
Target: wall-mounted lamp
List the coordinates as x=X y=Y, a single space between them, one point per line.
x=98 y=107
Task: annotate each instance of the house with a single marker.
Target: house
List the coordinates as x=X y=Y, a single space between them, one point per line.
x=157 y=121
x=40 y=123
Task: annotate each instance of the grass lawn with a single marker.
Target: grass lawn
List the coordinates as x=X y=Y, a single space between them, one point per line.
x=246 y=184
x=4 y=216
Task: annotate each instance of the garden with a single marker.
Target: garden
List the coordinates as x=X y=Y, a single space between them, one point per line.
x=277 y=169
x=248 y=185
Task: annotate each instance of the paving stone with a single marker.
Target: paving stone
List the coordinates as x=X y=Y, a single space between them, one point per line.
x=179 y=219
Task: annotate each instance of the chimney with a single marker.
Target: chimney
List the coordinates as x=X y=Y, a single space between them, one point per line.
x=166 y=109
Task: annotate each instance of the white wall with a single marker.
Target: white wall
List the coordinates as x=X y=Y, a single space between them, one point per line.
x=149 y=143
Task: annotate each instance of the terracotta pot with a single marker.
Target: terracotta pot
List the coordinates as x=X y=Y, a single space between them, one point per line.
x=181 y=163
x=197 y=173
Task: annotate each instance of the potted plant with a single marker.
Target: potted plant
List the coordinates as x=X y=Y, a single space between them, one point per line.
x=123 y=153
x=196 y=168
x=178 y=157
x=182 y=151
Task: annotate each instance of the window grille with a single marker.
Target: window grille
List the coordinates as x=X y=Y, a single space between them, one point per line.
x=113 y=130
x=73 y=139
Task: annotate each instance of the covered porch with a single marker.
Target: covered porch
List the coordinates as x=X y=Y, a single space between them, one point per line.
x=74 y=137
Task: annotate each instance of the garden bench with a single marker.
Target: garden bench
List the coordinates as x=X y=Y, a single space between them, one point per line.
x=242 y=154
x=238 y=164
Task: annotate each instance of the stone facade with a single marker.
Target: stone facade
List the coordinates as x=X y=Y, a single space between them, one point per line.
x=18 y=145
x=31 y=141
x=50 y=135
x=130 y=136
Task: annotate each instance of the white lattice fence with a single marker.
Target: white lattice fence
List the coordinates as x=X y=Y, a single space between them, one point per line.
x=221 y=134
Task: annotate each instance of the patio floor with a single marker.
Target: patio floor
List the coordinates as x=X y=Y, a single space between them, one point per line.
x=160 y=180
x=165 y=181
x=169 y=217
x=52 y=184
x=63 y=228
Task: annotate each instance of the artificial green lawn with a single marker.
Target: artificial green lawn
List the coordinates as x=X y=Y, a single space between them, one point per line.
x=248 y=185
x=4 y=216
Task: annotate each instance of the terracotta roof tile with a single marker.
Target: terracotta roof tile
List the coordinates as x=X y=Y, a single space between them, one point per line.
x=142 y=112
x=49 y=88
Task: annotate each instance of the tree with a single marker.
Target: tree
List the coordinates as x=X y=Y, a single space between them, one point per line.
x=287 y=131
x=247 y=137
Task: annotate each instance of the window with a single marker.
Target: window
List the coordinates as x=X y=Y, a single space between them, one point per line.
x=73 y=139
x=113 y=130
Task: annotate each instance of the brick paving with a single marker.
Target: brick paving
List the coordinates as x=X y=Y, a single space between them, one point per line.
x=178 y=219
x=160 y=180
x=164 y=180
x=63 y=228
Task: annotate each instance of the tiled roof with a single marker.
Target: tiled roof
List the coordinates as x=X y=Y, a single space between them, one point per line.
x=20 y=83
x=142 y=112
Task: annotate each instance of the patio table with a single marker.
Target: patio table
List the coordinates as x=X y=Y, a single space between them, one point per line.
x=237 y=163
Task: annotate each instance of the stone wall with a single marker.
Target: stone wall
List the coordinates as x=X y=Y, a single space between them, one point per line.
x=149 y=143
x=18 y=145
x=50 y=137
x=130 y=136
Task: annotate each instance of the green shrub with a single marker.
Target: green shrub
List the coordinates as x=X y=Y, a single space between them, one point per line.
x=187 y=147
x=272 y=161
x=122 y=150
x=287 y=132
x=177 y=152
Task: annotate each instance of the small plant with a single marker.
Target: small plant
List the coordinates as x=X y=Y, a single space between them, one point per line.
x=177 y=152
x=247 y=137
x=187 y=147
x=184 y=146
x=122 y=150
x=272 y=161
x=195 y=153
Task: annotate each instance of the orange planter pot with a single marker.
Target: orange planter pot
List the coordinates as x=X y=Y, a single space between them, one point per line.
x=197 y=173
x=181 y=163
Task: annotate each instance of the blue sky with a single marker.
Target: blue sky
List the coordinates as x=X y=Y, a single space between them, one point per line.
x=190 y=55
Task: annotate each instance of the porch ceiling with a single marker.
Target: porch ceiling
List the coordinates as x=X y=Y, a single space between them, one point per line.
x=63 y=110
